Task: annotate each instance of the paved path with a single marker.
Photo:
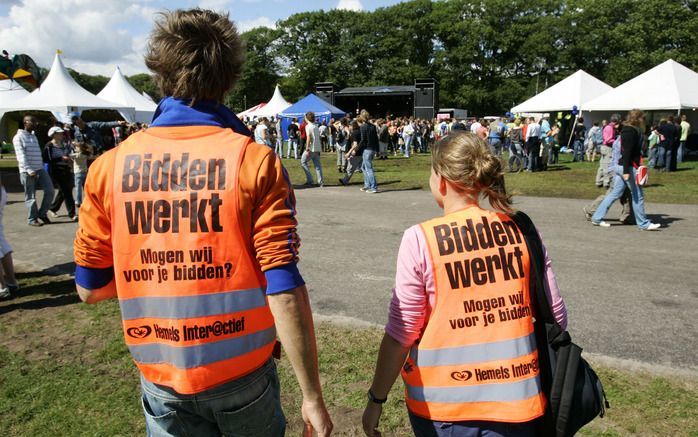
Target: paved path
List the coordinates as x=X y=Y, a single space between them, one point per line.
x=630 y=294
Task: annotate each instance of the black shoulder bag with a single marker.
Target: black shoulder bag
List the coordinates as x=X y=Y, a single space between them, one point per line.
x=574 y=392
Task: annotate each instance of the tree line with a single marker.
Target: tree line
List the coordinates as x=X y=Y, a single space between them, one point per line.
x=488 y=55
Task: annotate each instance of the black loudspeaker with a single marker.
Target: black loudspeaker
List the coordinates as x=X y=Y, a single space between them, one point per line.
x=426 y=98
x=326 y=90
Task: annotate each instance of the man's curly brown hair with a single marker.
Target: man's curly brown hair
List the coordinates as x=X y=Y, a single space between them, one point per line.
x=195 y=54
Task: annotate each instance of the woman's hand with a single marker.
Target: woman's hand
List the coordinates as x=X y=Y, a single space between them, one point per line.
x=626 y=177
x=370 y=419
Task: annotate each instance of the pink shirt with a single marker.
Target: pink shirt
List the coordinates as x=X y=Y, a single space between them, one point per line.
x=609 y=134
x=414 y=292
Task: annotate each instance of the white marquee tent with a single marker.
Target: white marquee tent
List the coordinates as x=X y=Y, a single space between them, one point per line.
x=60 y=94
x=668 y=86
x=273 y=107
x=118 y=90
x=575 y=90
x=147 y=96
x=10 y=93
x=247 y=112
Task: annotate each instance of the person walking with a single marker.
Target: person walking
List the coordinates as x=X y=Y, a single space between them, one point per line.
x=313 y=147
x=579 y=134
x=609 y=134
x=435 y=337
x=57 y=155
x=630 y=151
x=208 y=284
x=32 y=173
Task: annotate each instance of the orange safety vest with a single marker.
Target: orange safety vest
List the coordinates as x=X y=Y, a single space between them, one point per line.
x=477 y=357
x=193 y=305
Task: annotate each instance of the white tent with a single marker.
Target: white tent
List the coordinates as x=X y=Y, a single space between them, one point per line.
x=247 y=112
x=60 y=94
x=575 y=90
x=118 y=90
x=273 y=107
x=147 y=96
x=10 y=93
x=669 y=85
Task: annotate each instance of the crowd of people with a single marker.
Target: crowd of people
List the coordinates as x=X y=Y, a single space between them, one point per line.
x=61 y=165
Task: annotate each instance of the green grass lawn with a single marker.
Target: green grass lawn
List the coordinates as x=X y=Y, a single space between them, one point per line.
x=64 y=371
x=567 y=179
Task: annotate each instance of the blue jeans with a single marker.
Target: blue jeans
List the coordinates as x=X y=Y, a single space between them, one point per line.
x=30 y=184
x=79 y=186
x=495 y=146
x=680 y=152
x=367 y=168
x=292 y=143
x=408 y=144
x=652 y=157
x=315 y=157
x=430 y=428
x=578 y=151
x=249 y=406
x=638 y=199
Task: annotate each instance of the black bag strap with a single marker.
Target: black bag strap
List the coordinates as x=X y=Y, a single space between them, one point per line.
x=537 y=257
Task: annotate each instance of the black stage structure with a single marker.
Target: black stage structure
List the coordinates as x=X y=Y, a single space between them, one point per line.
x=420 y=100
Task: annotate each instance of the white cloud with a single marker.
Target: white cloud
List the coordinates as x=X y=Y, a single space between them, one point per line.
x=350 y=5
x=214 y=5
x=91 y=34
x=245 y=25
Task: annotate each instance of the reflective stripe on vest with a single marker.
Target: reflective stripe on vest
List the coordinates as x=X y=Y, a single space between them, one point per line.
x=477 y=358
x=193 y=307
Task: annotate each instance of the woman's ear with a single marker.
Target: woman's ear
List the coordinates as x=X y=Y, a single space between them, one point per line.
x=443 y=185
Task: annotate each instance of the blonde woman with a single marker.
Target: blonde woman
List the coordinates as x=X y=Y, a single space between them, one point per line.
x=460 y=328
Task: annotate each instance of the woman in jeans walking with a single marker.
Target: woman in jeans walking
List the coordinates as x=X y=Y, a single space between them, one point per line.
x=629 y=157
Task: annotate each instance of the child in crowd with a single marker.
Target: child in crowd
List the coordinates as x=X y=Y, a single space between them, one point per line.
x=8 y=282
x=83 y=152
x=446 y=267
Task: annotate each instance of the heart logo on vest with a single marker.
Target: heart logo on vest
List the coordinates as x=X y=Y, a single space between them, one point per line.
x=462 y=376
x=139 y=331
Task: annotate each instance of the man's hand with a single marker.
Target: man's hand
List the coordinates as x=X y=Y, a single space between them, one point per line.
x=316 y=418
x=370 y=419
x=31 y=174
x=626 y=177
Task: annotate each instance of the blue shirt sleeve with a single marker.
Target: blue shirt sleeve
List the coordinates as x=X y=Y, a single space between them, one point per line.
x=93 y=279
x=284 y=278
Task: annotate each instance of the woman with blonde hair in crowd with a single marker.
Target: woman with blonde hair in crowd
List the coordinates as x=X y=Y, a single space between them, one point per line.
x=440 y=330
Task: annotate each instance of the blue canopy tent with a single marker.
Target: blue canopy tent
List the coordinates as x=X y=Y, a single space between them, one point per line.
x=311 y=103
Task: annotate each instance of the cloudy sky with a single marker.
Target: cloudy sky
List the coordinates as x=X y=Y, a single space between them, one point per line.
x=97 y=35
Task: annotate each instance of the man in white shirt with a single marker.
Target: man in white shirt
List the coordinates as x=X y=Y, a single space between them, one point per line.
x=313 y=147
x=32 y=173
x=475 y=126
x=533 y=145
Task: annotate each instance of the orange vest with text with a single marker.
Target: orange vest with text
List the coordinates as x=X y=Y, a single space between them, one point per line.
x=477 y=357
x=193 y=305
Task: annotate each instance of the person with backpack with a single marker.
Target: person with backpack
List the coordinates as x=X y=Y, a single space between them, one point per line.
x=460 y=327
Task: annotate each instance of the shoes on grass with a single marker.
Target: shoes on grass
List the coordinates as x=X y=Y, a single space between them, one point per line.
x=4 y=293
